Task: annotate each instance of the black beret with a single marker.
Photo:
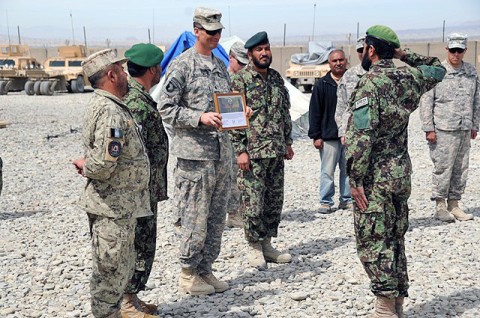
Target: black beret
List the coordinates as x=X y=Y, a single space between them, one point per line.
x=257 y=39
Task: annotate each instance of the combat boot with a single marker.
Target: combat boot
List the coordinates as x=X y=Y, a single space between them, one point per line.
x=399 y=306
x=255 y=256
x=235 y=220
x=441 y=212
x=191 y=283
x=273 y=255
x=129 y=310
x=143 y=306
x=219 y=285
x=384 y=308
x=457 y=212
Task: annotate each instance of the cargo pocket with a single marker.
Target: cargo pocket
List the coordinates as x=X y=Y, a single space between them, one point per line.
x=361 y=118
x=186 y=190
x=107 y=244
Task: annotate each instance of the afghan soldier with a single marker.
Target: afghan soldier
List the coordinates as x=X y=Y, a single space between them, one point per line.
x=204 y=153
x=261 y=150
x=117 y=170
x=145 y=71
x=450 y=116
x=378 y=163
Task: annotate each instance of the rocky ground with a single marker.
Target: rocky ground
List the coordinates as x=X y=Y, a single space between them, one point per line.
x=45 y=248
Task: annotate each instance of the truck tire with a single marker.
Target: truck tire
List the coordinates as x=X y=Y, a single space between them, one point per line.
x=29 y=88
x=78 y=85
x=36 y=87
x=307 y=88
x=46 y=88
x=293 y=81
x=3 y=88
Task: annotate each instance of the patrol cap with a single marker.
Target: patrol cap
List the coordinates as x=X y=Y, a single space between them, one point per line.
x=257 y=39
x=99 y=61
x=360 y=42
x=208 y=18
x=384 y=33
x=457 y=40
x=240 y=52
x=144 y=54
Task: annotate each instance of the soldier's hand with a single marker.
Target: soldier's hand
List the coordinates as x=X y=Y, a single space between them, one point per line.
x=360 y=199
x=79 y=164
x=318 y=143
x=343 y=140
x=211 y=119
x=243 y=161
x=431 y=137
x=289 y=154
x=473 y=134
x=399 y=54
x=248 y=112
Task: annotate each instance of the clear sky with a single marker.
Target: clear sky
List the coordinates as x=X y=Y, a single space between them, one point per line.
x=130 y=20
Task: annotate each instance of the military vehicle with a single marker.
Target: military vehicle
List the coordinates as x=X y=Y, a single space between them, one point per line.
x=306 y=68
x=18 y=71
x=67 y=68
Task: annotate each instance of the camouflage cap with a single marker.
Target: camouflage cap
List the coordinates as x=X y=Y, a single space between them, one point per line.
x=384 y=33
x=360 y=42
x=144 y=54
x=257 y=39
x=99 y=61
x=239 y=52
x=208 y=18
x=457 y=40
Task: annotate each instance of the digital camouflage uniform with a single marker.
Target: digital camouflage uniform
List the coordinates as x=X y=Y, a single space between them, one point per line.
x=116 y=194
x=345 y=88
x=452 y=110
x=145 y=113
x=204 y=156
x=266 y=143
x=1 y=177
x=378 y=160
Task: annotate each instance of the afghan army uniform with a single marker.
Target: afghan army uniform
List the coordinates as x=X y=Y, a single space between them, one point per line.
x=144 y=110
x=1 y=177
x=116 y=194
x=266 y=142
x=345 y=88
x=452 y=111
x=378 y=160
x=204 y=156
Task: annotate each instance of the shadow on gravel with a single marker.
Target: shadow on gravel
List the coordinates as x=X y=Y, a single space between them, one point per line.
x=21 y=214
x=452 y=305
x=302 y=216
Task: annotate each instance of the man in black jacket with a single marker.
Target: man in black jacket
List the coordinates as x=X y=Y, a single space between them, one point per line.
x=324 y=132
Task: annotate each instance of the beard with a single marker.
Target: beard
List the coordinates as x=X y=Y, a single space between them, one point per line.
x=366 y=62
x=262 y=65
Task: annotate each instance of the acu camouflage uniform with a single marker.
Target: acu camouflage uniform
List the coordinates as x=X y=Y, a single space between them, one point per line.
x=204 y=155
x=116 y=194
x=266 y=143
x=144 y=110
x=378 y=160
x=345 y=88
x=452 y=110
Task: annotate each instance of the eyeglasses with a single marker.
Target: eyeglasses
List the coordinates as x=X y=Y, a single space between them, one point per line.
x=211 y=33
x=456 y=50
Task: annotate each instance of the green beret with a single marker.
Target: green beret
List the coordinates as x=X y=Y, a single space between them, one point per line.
x=144 y=54
x=257 y=39
x=384 y=33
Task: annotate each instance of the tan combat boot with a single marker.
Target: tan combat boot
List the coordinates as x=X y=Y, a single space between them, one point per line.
x=273 y=255
x=457 y=212
x=384 y=308
x=191 y=283
x=441 y=212
x=399 y=306
x=129 y=310
x=143 y=306
x=255 y=256
x=219 y=285
x=235 y=220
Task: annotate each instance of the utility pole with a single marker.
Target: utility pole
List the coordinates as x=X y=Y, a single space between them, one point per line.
x=8 y=29
x=153 y=29
x=85 y=40
x=358 y=30
x=149 y=40
x=443 y=33
x=18 y=31
x=73 y=32
x=313 y=31
x=284 y=33
x=229 y=25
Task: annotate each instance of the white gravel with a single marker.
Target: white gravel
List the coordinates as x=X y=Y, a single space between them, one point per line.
x=45 y=248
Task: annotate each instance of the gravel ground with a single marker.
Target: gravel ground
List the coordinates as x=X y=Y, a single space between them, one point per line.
x=45 y=248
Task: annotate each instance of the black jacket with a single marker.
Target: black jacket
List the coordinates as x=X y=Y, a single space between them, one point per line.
x=322 y=110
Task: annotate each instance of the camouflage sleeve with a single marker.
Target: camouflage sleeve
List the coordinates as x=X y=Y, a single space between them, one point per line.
x=101 y=156
x=238 y=137
x=341 y=108
x=426 y=110
x=476 y=106
x=361 y=132
x=430 y=69
x=288 y=118
x=139 y=109
x=173 y=109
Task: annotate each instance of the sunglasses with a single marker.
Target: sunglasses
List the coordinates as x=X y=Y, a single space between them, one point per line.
x=211 y=33
x=456 y=50
x=360 y=50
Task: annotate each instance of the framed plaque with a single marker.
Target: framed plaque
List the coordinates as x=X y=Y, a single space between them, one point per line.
x=232 y=107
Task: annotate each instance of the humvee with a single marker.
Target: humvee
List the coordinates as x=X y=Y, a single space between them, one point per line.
x=305 y=75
